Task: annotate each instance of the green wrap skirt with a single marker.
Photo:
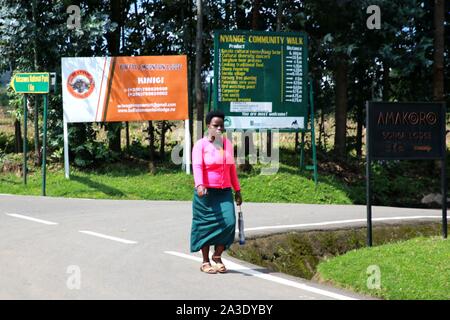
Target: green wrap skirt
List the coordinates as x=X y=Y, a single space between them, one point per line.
x=213 y=219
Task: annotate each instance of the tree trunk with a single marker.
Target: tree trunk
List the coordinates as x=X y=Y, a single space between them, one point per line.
x=113 y=39
x=122 y=28
x=37 y=151
x=187 y=36
x=151 y=141
x=256 y=15
x=198 y=68
x=241 y=22
x=127 y=135
x=365 y=94
x=191 y=76
x=248 y=140
x=163 y=140
x=279 y=14
x=438 y=56
x=114 y=136
x=144 y=14
x=227 y=14
x=341 y=106
x=278 y=28
x=18 y=141
x=136 y=13
x=385 y=92
x=360 y=121
x=322 y=131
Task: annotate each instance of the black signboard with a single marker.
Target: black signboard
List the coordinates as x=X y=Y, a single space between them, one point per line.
x=406 y=130
x=409 y=131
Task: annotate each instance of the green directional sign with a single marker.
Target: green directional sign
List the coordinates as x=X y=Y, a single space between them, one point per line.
x=34 y=82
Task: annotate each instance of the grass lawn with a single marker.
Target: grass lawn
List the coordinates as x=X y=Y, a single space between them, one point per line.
x=415 y=269
x=125 y=181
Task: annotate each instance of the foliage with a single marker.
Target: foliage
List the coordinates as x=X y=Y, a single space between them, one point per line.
x=428 y=279
x=109 y=176
x=377 y=68
x=340 y=256
x=339 y=183
x=3 y=97
x=6 y=143
x=44 y=42
x=91 y=153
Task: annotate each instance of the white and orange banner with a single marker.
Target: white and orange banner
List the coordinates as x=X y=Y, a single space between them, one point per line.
x=108 y=89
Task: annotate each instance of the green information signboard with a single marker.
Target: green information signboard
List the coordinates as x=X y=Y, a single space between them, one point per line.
x=260 y=79
x=34 y=82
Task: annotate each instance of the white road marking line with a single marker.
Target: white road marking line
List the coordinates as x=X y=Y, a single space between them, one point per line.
x=95 y=234
x=234 y=266
x=31 y=219
x=338 y=222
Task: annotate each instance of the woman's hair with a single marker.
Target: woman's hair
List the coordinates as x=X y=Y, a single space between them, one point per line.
x=213 y=114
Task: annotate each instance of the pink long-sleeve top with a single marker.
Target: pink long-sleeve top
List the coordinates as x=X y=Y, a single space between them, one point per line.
x=213 y=166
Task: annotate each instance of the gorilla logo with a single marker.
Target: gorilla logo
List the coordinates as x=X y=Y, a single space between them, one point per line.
x=80 y=84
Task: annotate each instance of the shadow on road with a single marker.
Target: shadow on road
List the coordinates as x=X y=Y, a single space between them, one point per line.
x=98 y=186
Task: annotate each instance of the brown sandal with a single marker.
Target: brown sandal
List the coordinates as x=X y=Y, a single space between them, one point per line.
x=220 y=267
x=207 y=268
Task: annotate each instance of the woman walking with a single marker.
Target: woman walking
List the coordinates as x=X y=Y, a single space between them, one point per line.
x=213 y=221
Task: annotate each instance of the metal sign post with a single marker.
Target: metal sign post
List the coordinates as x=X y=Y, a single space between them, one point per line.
x=368 y=176
x=444 y=197
x=312 y=167
x=34 y=83
x=25 y=120
x=313 y=132
x=44 y=147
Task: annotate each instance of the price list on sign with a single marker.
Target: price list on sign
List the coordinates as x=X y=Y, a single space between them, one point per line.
x=293 y=91
x=261 y=79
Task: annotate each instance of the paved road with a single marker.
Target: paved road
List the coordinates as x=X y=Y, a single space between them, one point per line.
x=56 y=248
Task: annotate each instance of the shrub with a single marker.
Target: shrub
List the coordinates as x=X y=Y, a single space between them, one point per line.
x=6 y=143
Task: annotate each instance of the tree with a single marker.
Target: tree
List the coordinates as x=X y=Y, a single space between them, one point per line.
x=117 y=8
x=56 y=40
x=348 y=63
x=438 y=65
x=198 y=67
x=340 y=115
x=37 y=151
